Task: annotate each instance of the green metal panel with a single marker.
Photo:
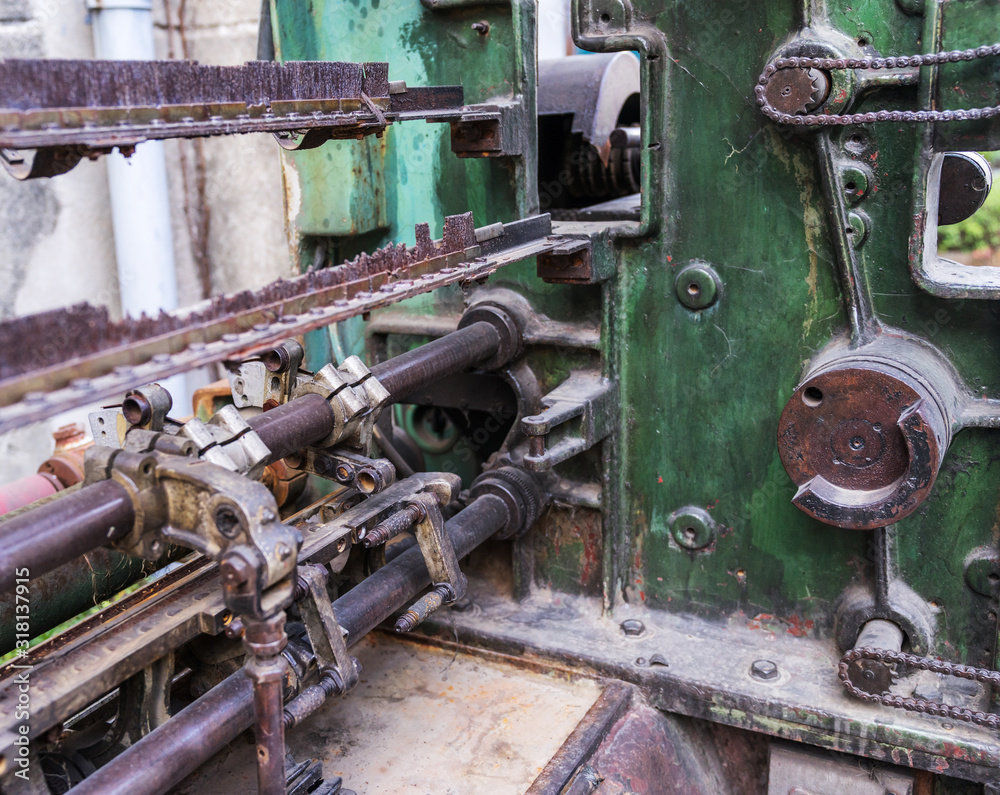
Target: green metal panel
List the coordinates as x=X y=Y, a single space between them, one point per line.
x=701 y=391
x=345 y=190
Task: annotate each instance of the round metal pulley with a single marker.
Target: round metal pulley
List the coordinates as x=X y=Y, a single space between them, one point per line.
x=863 y=439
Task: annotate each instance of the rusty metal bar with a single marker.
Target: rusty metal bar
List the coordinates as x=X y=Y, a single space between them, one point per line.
x=44 y=538
x=583 y=742
x=77 y=356
x=189 y=739
x=445 y=356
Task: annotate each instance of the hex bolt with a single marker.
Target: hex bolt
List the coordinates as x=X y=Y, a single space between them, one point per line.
x=227 y=521
x=482 y=28
x=235 y=571
x=632 y=627
x=764 y=670
x=235 y=629
x=395 y=524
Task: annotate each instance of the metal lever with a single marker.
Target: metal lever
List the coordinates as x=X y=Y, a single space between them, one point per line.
x=578 y=414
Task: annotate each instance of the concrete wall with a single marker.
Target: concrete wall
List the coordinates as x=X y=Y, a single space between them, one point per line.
x=56 y=239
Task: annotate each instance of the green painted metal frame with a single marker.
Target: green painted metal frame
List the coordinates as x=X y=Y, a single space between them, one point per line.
x=701 y=390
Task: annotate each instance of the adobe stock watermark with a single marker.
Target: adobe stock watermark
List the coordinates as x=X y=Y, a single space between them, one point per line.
x=22 y=679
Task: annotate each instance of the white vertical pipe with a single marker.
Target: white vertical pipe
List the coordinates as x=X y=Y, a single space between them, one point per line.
x=553 y=29
x=140 y=204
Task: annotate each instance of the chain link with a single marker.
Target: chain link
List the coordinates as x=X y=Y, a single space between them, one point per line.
x=921 y=705
x=902 y=62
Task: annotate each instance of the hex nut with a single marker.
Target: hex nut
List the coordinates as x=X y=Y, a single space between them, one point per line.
x=764 y=670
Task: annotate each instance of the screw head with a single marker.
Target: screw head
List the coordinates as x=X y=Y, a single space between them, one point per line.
x=764 y=670
x=632 y=627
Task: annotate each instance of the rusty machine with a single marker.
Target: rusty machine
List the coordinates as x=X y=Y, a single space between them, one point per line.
x=640 y=367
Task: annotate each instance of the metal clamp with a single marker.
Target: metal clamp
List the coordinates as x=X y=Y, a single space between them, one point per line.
x=339 y=672
x=357 y=400
x=211 y=509
x=442 y=564
x=228 y=441
x=578 y=414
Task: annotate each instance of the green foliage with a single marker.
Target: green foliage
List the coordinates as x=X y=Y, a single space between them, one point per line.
x=982 y=230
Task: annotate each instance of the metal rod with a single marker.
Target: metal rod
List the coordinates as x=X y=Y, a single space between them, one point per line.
x=294 y=425
x=44 y=538
x=445 y=356
x=176 y=749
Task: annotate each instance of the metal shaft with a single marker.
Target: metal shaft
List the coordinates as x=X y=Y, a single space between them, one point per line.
x=189 y=739
x=44 y=538
x=445 y=356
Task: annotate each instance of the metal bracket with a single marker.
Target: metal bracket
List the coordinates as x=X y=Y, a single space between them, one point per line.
x=362 y=518
x=268 y=380
x=325 y=634
x=577 y=415
x=211 y=509
x=367 y=475
x=570 y=263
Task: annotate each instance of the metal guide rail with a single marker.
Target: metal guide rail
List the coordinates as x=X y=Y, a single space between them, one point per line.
x=62 y=359
x=68 y=109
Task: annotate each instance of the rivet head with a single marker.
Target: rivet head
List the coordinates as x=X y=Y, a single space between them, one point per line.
x=697 y=286
x=632 y=627
x=764 y=670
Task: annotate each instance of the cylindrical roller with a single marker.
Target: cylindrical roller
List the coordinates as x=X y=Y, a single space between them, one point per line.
x=53 y=534
x=193 y=736
x=25 y=491
x=44 y=538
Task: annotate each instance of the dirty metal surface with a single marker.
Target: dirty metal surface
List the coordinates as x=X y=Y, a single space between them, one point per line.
x=676 y=663
x=425 y=720
x=76 y=356
x=848 y=437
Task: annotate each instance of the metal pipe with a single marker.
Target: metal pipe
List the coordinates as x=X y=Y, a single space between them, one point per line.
x=308 y=419
x=180 y=746
x=445 y=356
x=25 y=491
x=140 y=200
x=44 y=538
